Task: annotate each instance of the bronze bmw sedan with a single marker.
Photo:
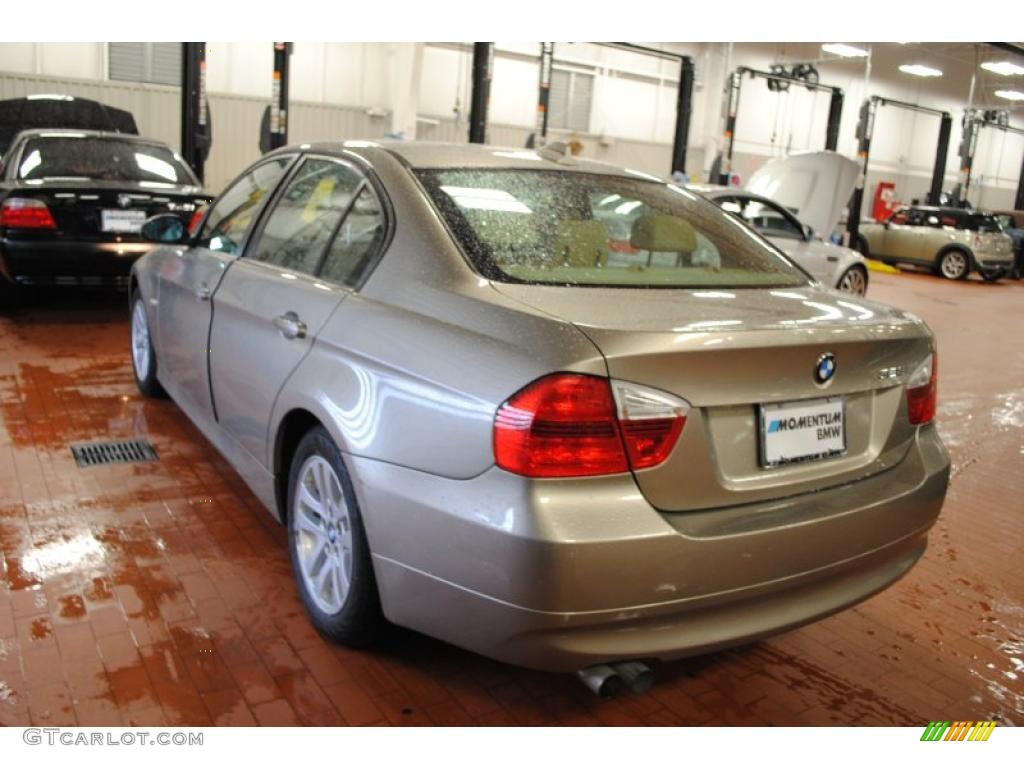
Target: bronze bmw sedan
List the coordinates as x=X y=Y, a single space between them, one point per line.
x=487 y=414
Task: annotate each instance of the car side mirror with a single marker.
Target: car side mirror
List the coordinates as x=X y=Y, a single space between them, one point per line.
x=165 y=228
x=809 y=233
x=886 y=224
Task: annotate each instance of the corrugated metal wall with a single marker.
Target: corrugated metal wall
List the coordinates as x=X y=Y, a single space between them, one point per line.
x=236 y=124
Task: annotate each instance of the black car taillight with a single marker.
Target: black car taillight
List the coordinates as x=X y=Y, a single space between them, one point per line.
x=25 y=213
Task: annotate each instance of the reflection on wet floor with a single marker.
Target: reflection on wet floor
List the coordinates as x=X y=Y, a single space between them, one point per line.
x=161 y=593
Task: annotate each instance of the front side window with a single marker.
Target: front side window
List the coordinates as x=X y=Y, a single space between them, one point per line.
x=234 y=212
x=95 y=158
x=307 y=214
x=580 y=229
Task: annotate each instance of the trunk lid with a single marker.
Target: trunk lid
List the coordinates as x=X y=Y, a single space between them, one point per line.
x=728 y=351
x=77 y=206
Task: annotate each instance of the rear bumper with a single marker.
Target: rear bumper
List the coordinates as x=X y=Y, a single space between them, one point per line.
x=54 y=262
x=560 y=576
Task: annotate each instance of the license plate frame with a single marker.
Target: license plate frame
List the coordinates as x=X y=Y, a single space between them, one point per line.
x=769 y=456
x=122 y=221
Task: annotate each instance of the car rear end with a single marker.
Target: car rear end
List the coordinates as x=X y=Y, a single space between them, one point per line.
x=992 y=248
x=758 y=453
x=73 y=204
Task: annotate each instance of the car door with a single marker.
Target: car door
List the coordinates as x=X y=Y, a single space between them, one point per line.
x=272 y=302
x=187 y=283
x=904 y=235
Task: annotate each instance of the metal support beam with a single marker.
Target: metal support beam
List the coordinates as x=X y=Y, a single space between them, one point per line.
x=941 y=153
x=968 y=144
x=684 y=108
x=835 y=115
x=865 y=127
x=483 y=69
x=732 y=107
x=279 y=106
x=195 y=142
x=547 y=55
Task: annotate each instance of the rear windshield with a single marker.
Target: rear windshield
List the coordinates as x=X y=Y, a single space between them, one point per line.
x=568 y=228
x=100 y=159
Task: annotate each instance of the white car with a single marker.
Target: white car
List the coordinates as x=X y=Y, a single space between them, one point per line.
x=814 y=185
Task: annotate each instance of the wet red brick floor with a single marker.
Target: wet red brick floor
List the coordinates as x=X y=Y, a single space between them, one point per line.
x=161 y=593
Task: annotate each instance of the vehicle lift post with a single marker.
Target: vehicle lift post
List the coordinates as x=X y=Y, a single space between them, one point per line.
x=865 y=127
x=835 y=111
x=973 y=122
x=547 y=56
x=868 y=112
x=684 y=109
x=483 y=71
x=279 y=105
x=194 y=128
x=684 y=100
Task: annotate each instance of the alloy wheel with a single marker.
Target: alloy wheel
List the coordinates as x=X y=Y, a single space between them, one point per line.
x=954 y=265
x=854 y=282
x=323 y=534
x=140 y=340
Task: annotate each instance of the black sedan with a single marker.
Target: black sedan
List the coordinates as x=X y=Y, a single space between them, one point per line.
x=72 y=204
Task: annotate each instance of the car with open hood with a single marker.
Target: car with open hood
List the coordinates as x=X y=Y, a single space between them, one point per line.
x=796 y=202
x=480 y=418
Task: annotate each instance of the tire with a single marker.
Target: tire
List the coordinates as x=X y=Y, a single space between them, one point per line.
x=854 y=281
x=328 y=545
x=142 y=352
x=954 y=264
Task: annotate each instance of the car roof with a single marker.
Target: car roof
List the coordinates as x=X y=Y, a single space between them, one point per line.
x=85 y=133
x=437 y=154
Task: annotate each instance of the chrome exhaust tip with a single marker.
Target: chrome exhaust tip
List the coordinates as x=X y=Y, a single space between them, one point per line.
x=602 y=680
x=635 y=674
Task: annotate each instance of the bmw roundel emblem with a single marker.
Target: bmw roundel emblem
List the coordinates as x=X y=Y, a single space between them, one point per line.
x=825 y=369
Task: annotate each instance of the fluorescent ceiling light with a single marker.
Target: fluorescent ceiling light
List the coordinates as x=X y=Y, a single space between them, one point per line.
x=1011 y=95
x=920 y=70
x=1004 y=68
x=844 y=50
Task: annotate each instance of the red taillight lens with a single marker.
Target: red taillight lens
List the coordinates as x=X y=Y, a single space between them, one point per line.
x=26 y=213
x=573 y=425
x=922 y=391
x=560 y=426
x=196 y=219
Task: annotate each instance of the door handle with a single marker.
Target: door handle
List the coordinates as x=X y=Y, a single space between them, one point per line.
x=831 y=258
x=203 y=292
x=290 y=326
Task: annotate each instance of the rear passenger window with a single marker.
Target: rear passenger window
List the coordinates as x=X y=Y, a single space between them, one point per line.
x=359 y=238
x=300 y=226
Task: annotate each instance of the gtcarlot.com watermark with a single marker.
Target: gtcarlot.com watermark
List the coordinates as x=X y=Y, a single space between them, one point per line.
x=75 y=737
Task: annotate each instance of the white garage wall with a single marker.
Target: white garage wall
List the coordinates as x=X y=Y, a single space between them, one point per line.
x=632 y=116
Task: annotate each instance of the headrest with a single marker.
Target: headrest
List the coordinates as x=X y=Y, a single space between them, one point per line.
x=581 y=243
x=661 y=232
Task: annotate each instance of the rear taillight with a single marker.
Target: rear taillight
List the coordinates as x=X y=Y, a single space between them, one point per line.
x=26 y=213
x=196 y=219
x=651 y=422
x=922 y=391
x=575 y=425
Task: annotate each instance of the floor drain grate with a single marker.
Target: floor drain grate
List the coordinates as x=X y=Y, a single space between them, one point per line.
x=114 y=452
